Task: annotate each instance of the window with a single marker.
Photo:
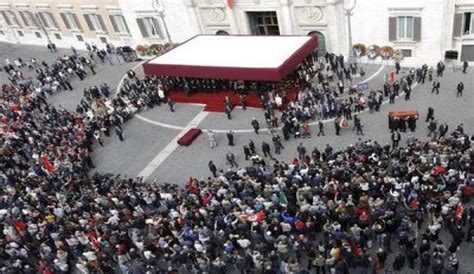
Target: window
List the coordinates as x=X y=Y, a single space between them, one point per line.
x=48 y=20
x=406 y=52
x=38 y=35
x=71 y=21
x=95 y=22
x=10 y=18
x=20 y=33
x=103 y=39
x=263 y=23
x=80 y=38
x=405 y=27
x=149 y=27
x=152 y=26
x=28 y=18
x=57 y=36
x=468 y=27
x=119 y=24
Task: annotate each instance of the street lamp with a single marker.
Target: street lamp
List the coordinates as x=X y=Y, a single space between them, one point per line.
x=159 y=6
x=348 y=6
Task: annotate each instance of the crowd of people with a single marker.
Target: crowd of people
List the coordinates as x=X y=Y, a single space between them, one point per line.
x=327 y=211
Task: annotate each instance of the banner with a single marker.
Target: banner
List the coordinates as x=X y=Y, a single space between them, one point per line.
x=230 y=4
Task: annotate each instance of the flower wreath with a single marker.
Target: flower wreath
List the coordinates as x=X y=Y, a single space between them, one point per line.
x=373 y=52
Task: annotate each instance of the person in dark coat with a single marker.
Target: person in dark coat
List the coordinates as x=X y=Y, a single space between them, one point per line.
x=255 y=125
x=399 y=262
x=252 y=147
x=321 y=128
x=460 y=88
x=212 y=168
x=230 y=138
x=247 y=152
x=337 y=126
x=430 y=114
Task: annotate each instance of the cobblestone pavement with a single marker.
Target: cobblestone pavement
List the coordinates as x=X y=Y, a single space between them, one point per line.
x=146 y=138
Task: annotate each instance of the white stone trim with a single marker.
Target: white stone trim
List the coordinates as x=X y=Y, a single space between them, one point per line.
x=464 y=8
x=89 y=9
x=405 y=11
x=43 y=8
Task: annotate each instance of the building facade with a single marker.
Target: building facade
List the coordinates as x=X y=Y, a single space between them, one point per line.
x=422 y=29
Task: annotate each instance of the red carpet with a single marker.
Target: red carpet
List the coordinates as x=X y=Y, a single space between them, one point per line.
x=189 y=137
x=215 y=101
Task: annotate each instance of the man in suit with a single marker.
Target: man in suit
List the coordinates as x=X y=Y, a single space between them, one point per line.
x=255 y=125
x=430 y=114
x=230 y=138
x=230 y=157
x=460 y=88
x=465 y=64
x=436 y=86
x=395 y=138
x=212 y=168
x=266 y=150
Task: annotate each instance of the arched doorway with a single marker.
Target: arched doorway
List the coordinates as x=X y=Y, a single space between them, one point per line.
x=321 y=42
x=222 y=32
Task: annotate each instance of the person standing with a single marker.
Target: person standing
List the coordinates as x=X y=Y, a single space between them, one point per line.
x=321 y=128
x=443 y=129
x=230 y=138
x=211 y=137
x=119 y=132
x=266 y=150
x=337 y=126
x=171 y=104
x=276 y=139
x=243 y=102
x=301 y=151
x=397 y=67
x=230 y=158
x=432 y=127
x=358 y=125
x=212 y=168
x=228 y=111
x=395 y=138
x=255 y=124
x=465 y=64
x=247 y=152
x=460 y=88
x=436 y=86
x=252 y=147
x=430 y=114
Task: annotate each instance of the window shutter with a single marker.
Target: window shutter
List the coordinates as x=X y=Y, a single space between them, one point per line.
x=33 y=18
x=7 y=20
x=392 y=28
x=114 y=23
x=15 y=19
x=45 y=23
x=23 y=17
x=125 y=24
x=101 y=21
x=457 y=24
x=78 y=24
x=66 y=22
x=417 y=29
x=141 y=25
x=54 y=20
x=88 y=21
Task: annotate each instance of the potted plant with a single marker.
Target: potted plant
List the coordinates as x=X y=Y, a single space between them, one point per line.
x=398 y=55
x=141 y=49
